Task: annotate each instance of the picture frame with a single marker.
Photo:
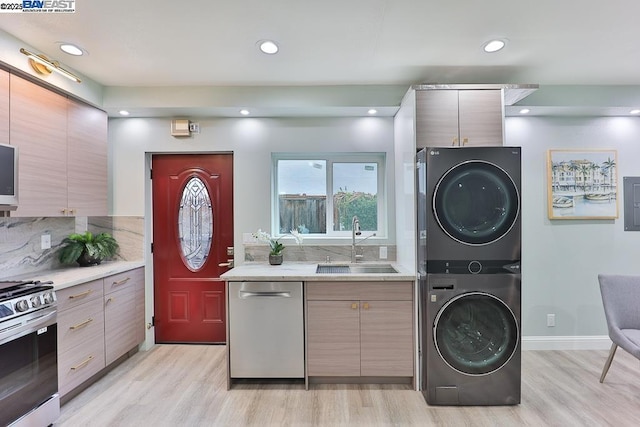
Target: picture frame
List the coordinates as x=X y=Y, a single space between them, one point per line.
x=582 y=184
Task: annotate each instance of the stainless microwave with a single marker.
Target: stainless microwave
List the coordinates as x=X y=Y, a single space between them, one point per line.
x=8 y=175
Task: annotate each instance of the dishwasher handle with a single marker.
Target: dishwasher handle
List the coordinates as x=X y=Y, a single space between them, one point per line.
x=264 y=294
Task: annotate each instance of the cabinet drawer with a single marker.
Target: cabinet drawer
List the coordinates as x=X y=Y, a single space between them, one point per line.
x=78 y=365
x=371 y=291
x=126 y=280
x=76 y=295
x=79 y=325
x=122 y=324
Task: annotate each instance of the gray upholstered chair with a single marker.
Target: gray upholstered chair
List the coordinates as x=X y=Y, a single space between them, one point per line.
x=621 y=300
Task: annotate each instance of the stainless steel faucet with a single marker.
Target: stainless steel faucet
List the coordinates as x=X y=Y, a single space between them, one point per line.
x=355 y=231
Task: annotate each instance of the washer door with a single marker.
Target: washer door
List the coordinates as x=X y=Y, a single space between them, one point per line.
x=476 y=333
x=476 y=202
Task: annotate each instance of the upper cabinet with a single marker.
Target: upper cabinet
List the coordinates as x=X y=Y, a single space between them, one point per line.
x=62 y=153
x=451 y=118
x=87 y=159
x=4 y=107
x=38 y=127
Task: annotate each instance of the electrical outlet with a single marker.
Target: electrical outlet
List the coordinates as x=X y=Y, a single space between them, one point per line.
x=194 y=127
x=383 y=252
x=45 y=241
x=551 y=320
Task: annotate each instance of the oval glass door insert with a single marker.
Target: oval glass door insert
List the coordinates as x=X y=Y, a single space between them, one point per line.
x=195 y=223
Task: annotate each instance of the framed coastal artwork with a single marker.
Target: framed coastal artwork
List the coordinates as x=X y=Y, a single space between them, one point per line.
x=582 y=184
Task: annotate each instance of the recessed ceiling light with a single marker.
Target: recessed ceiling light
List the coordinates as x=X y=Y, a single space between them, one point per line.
x=71 y=49
x=372 y=111
x=525 y=111
x=494 y=45
x=268 y=46
x=124 y=112
x=634 y=112
x=244 y=112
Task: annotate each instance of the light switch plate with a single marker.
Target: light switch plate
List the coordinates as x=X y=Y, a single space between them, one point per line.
x=45 y=241
x=383 y=252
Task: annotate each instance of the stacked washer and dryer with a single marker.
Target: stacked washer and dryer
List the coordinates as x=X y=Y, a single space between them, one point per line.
x=469 y=254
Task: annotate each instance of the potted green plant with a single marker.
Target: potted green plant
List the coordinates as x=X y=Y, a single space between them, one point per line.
x=87 y=248
x=275 y=252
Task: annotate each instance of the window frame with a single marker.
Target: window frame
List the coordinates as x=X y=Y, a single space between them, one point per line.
x=380 y=158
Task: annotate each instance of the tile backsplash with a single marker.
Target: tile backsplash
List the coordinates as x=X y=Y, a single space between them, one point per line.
x=318 y=253
x=20 y=240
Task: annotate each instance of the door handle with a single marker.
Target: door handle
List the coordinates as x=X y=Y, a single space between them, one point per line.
x=465 y=141
x=264 y=294
x=229 y=264
x=454 y=141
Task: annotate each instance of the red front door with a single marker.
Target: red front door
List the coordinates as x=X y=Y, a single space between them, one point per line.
x=192 y=231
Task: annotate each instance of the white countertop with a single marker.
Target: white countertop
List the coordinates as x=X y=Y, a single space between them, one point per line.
x=294 y=271
x=71 y=276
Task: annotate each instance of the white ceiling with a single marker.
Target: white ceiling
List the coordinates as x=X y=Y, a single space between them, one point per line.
x=341 y=42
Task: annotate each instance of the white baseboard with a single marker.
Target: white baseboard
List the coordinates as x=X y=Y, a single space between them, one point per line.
x=592 y=342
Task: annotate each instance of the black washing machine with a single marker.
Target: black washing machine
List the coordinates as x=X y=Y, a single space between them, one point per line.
x=471 y=339
x=469 y=209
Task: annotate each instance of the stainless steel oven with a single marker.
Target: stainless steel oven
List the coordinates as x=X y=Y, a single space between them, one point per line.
x=28 y=355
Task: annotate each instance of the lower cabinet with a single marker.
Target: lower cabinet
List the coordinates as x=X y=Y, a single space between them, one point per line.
x=98 y=322
x=123 y=329
x=80 y=334
x=360 y=329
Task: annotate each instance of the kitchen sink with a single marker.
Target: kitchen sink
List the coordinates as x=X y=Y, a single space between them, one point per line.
x=356 y=269
x=372 y=269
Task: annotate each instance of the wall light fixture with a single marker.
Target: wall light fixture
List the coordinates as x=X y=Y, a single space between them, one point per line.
x=42 y=65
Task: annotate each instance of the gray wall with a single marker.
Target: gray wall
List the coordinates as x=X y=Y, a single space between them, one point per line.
x=562 y=258
x=252 y=140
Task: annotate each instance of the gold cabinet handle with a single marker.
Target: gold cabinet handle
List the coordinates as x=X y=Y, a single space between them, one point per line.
x=454 y=141
x=82 y=364
x=63 y=210
x=81 y=324
x=111 y=299
x=121 y=282
x=229 y=264
x=366 y=306
x=354 y=305
x=465 y=141
x=72 y=211
x=80 y=295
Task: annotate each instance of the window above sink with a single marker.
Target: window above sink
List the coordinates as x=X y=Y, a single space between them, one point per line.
x=319 y=193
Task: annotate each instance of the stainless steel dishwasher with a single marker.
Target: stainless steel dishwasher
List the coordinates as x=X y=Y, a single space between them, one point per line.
x=266 y=330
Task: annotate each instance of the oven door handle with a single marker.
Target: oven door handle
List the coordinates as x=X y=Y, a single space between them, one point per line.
x=28 y=326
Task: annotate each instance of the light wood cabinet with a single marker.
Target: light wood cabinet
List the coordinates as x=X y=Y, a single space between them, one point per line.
x=80 y=334
x=86 y=159
x=62 y=152
x=98 y=322
x=466 y=117
x=360 y=329
x=4 y=107
x=122 y=325
x=38 y=127
x=333 y=338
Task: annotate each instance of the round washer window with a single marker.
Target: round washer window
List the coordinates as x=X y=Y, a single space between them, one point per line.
x=476 y=202
x=476 y=333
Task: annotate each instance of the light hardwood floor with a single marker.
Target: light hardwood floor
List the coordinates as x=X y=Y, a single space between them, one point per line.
x=185 y=385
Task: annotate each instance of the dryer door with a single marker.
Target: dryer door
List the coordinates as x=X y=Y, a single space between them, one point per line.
x=476 y=333
x=476 y=202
